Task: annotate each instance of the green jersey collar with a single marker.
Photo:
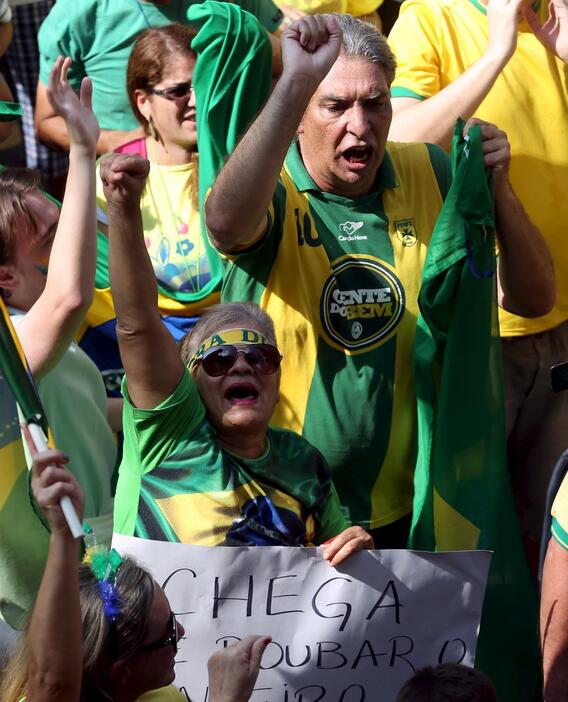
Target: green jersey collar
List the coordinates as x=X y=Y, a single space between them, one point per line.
x=385 y=177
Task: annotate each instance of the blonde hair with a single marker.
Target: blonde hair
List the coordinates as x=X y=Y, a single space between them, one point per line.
x=225 y=316
x=103 y=644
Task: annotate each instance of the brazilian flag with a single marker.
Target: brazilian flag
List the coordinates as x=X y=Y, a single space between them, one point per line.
x=463 y=496
x=23 y=538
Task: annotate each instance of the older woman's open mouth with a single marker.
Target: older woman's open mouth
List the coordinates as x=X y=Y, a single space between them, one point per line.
x=242 y=394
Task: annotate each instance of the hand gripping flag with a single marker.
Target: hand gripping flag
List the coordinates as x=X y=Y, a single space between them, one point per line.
x=463 y=496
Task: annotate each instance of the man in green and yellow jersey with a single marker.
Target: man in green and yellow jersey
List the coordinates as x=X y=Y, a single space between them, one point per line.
x=328 y=232
x=494 y=60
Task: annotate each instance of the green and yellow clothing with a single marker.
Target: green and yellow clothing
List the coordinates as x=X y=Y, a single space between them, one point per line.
x=340 y=278
x=73 y=397
x=435 y=41
x=176 y=483
x=560 y=515
x=172 y=229
x=181 y=257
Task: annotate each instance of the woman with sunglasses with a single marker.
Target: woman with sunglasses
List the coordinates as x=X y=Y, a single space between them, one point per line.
x=201 y=464
x=104 y=630
x=159 y=86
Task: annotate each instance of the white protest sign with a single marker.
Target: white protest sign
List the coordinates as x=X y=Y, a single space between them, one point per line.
x=338 y=635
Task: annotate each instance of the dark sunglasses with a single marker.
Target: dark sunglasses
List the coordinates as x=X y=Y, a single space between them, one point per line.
x=171 y=640
x=219 y=360
x=174 y=92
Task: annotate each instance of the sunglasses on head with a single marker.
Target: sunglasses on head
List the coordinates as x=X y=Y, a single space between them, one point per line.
x=217 y=361
x=174 y=92
x=171 y=640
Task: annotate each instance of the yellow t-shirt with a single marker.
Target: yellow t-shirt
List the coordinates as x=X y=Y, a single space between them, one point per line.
x=358 y=8
x=172 y=229
x=560 y=515
x=163 y=694
x=435 y=41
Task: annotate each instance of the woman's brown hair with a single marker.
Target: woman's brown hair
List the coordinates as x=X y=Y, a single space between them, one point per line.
x=153 y=51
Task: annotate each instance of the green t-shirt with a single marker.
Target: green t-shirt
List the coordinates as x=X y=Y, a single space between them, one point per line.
x=98 y=35
x=346 y=323
x=177 y=484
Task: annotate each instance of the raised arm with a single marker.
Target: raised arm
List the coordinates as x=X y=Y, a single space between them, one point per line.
x=523 y=253
x=51 y=322
x=235 y=211
x=433 y=119
x=52 y=130
x=150 y=355
x=553 y=34
x=55 y=636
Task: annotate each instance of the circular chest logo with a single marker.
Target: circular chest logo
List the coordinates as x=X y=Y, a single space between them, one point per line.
x=362 y=303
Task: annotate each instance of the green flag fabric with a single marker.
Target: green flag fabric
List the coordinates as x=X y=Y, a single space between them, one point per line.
x=231 y=80
x=463 y=496
x=23 y=538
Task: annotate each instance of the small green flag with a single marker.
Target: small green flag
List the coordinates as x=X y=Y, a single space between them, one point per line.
x=463 y=496
x=23 y=538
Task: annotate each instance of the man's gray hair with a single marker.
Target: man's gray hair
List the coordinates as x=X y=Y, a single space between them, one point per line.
x=361 y=39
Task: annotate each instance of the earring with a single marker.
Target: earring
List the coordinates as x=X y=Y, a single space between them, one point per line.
x=152 y=130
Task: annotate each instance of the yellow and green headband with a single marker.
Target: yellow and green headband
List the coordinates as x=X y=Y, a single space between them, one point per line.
x=227 y=336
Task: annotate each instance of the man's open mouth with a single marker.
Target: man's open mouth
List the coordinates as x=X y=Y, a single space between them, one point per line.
x=242 y=394
x=358 y=155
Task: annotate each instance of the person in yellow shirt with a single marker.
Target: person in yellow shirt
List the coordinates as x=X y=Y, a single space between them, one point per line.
x=495 y=60
x=364 y=9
